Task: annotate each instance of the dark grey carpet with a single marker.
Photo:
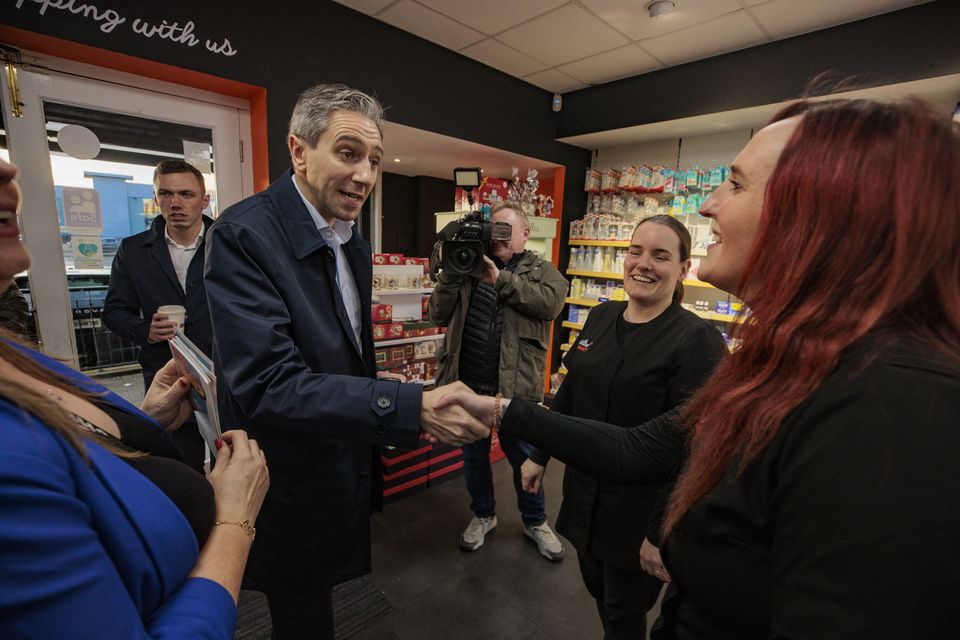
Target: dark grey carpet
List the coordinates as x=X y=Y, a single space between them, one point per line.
x=356 y=605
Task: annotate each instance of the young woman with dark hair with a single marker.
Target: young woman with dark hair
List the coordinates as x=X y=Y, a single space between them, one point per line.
x=821 y=496
x=656 y=353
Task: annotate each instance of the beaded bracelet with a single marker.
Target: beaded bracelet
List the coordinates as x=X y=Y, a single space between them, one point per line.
x=248 y=528
x=497 y=418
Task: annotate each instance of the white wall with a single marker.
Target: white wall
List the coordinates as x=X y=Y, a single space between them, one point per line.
x=707 y=151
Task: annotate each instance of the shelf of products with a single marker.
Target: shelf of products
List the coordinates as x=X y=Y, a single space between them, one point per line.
x=583 y=302
x=698 y=283
x=395 y=342
x=718 y=317
x=401 y=292
x=600 y=243
x=618 y=201
x=594 y=274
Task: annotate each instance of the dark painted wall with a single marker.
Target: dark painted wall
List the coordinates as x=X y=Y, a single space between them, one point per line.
x=287 y=45
x=408 y=206
x=399 y=222
x=433 y=195
x=911 y=44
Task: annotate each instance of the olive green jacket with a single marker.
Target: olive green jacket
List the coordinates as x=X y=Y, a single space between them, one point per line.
x=531 y=297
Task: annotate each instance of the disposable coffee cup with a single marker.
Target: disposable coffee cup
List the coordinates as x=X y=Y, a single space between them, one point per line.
x=175 y=313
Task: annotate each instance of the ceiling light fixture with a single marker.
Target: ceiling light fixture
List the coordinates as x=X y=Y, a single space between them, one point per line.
x=658 y=8
x=396 y=159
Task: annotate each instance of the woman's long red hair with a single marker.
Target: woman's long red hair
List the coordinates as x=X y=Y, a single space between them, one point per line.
x=860 y=230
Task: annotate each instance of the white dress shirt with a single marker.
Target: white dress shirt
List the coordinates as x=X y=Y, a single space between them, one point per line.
x=336 y=235
x=181 y=255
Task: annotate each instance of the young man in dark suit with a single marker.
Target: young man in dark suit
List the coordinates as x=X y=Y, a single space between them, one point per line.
x=164 y=266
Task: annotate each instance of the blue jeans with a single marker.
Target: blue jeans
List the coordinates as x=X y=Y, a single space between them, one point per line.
x=479 y=478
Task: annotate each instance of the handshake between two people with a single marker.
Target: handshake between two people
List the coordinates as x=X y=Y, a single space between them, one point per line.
x=455 y=415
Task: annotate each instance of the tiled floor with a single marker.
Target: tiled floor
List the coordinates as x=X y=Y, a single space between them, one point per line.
x=503 y=591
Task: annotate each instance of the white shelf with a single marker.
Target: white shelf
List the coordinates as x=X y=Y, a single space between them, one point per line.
x=400 y=292
x=719 y=317
x=599 y=243
x=583 y=302
x=396 y=341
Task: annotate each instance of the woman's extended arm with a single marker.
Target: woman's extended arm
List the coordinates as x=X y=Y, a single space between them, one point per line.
x=651 y=452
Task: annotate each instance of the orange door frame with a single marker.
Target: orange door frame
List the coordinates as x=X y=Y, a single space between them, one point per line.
x=257 y=96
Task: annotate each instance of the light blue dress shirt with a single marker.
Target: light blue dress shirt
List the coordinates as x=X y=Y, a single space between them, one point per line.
x=336 y=235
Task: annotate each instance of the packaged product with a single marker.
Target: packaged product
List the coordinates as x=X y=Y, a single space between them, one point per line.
x=381 y=312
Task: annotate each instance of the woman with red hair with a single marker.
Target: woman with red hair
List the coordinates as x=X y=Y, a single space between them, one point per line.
x=820 y=497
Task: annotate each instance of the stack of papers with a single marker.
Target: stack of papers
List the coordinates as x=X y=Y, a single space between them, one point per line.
x=194 y=365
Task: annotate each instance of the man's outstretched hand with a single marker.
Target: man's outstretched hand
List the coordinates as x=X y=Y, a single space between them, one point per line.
x=450 y=424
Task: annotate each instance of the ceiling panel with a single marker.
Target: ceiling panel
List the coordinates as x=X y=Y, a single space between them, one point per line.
x=589 y=41
x=492 y=16
x=429 y=24
x=785 y=18
x=555 y=81
x=368 y=7
x=729 y=33
x=632 y=19
x=611 y=65
x=568 y=34
x=424 y=153
x=500 y=56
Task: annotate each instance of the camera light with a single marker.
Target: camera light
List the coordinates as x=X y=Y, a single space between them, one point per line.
x=466 y=178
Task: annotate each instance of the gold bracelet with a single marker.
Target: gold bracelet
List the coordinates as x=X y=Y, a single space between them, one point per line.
x=497 y=418
x=248 y=529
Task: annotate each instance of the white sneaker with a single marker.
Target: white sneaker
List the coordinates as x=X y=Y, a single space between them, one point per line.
x=472 y=537
x=546 y=541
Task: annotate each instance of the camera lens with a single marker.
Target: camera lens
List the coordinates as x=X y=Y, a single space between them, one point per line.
x=463 y=259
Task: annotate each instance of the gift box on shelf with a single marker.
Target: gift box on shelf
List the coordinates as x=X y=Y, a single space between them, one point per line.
x=381 y=312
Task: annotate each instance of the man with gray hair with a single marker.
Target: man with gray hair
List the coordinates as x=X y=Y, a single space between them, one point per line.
x=289 y=281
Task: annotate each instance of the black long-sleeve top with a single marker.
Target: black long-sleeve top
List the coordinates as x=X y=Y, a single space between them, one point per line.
x=846 y=526
x=626 y=373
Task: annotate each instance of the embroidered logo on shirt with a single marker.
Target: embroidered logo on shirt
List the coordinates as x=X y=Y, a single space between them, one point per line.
x=584 y=344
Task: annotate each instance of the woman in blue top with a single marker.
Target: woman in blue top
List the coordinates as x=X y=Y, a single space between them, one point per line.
x=104 y=531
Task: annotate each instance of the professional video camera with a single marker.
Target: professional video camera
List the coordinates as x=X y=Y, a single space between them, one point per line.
x=461 y=244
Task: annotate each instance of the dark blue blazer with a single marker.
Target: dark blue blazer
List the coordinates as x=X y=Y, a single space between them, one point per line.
x=94 y=550
x=143 y=279
x=289 y=371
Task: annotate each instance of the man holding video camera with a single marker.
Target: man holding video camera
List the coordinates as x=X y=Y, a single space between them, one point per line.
x=498 y=329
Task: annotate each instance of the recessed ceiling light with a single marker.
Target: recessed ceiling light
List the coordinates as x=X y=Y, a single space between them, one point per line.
x=658 y=8
x=396 y=159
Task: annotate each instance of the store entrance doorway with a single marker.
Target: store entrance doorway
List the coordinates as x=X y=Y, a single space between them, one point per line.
x=86 y=140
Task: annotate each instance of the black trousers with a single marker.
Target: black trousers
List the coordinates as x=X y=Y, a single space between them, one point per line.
x=302 y=615
x=623 y=597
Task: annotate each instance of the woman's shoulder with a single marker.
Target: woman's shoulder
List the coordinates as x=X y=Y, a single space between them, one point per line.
x=26 y=439
x=894 y=390
x=609 y=309
x=58 y=367
x=691 y=327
